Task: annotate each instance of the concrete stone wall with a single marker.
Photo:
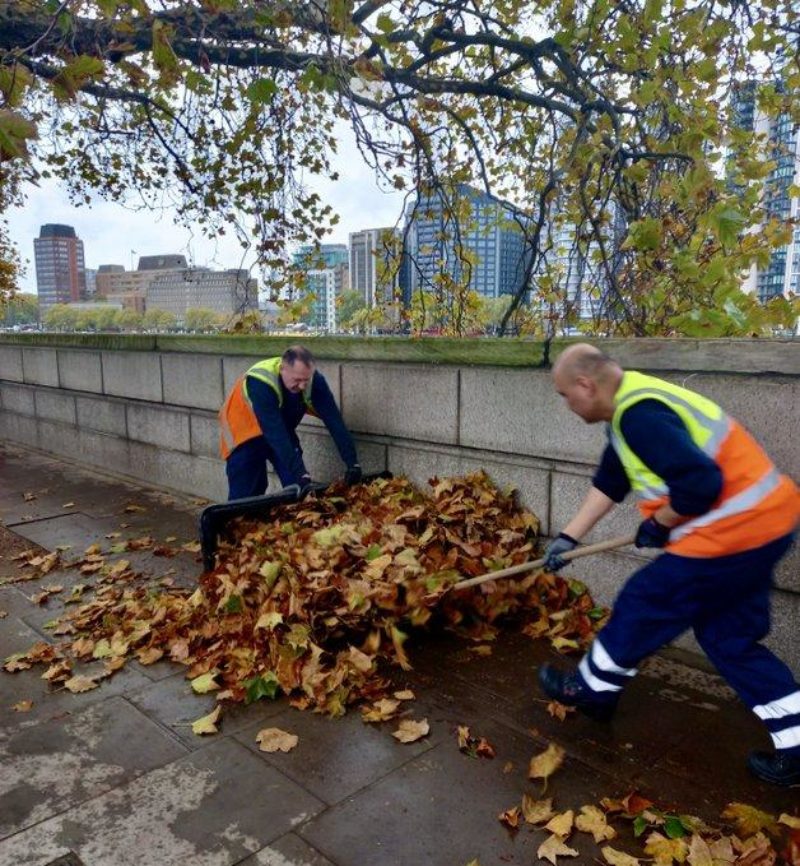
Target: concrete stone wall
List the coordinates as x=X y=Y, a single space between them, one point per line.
x=148 y=412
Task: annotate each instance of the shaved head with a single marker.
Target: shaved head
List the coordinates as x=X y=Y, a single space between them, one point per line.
x=583 y=359
x=587 y=379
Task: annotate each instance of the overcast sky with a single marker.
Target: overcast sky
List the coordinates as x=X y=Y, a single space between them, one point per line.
x=110 y=232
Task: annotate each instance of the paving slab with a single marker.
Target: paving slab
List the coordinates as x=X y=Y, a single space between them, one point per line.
x=289 y=850
x=211 y=808
x=55 y=765
x=334 y=758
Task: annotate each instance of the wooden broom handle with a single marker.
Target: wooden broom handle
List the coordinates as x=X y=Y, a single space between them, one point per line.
x=587 y=550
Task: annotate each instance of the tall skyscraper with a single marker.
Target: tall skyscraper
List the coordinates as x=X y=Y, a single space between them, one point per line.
x=60 y=268
x=782 y=274
x=324 y=273
x=485 y=247
x=372 y=272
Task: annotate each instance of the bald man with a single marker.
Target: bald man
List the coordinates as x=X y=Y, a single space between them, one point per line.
x=713 y=500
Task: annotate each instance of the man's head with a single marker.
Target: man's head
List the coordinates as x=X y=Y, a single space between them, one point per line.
x=297 y=368
x=587 y=379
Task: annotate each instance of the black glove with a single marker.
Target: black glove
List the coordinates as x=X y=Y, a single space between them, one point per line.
x=306 y=484
x=353 y=475
x=651 y=533
x=554 y=552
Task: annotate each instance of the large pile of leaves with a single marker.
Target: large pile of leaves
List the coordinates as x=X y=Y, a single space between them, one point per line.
x=317 y=598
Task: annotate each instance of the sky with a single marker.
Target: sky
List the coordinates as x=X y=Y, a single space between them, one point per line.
x=110 y=232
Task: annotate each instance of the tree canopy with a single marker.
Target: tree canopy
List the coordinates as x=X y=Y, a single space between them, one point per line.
x=610 y=126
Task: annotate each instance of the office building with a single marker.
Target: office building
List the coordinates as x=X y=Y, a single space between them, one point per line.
x=60 y=268
x=228 y=292
x=485 y=248
x=374 y=273
x=781 y=275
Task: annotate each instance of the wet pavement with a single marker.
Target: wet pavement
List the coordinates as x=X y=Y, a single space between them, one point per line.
x=115 y=776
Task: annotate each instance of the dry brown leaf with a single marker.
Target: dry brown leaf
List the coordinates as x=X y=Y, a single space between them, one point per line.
x=553 y=848
x=405 y=695
x=79 y=684
x=149 y=656
x=276 y=740
x=380 y=711
x=561 y=824
x=592 y=820
x=618 y=858
x=207 y=724
x=699 y=852
x=410 y=731
x=665 y=851
x=508 y=767
x=543 y=765
x=24 y=706
x=789 y=821
x=537 y=811
x=510 y=818
x=750 y=820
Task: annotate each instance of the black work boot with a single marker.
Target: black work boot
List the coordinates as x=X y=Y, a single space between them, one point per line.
x=570 y=690
x=778 y=768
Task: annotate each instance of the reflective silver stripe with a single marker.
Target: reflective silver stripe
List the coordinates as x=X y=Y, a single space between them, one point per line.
x=717 y=427
x=595 y=683
x=788 y=706
x=743 y=501
x=227 y=435
x=787 y=739
x=603 y=660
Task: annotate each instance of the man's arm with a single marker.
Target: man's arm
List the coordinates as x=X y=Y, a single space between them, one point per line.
x=594 y=507
x=265 y=405
x=325 y=406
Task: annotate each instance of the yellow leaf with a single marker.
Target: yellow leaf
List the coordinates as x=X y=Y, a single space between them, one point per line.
x=380 y=711
x=510 y=817
x=410 y=731
x=80 y=684
x=536 y=811
x=150 y=656
x=207 y=724
x=554 y=847
x=618 y=858
x=699 y=852
x=592 y=820
x=794 y=823
x=269 y=620
x=276 y=740
x=22 y=706
x=542 y=766
x=664 y=851
x=561 y=824
x=270 y=571
x=750 y=820
x=405 y=695
x=205 y=683
x=102 y=649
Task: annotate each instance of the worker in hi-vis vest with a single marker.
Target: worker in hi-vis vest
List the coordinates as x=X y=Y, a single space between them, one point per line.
x=724 y=515
x=259 y=420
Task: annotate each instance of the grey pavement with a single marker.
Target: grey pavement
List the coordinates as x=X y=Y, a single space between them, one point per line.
x=115 y=776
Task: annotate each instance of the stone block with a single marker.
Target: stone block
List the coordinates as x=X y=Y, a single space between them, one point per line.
x=192 y=380
x=11 y=364
x=331 y=371
x=204 y=432
x=18 y=399
x=167 y=428
x=107 y=452
x=232 y=367
x=408 y=401
x=133 y=374
x=197 y=476
x=18 y=428
x=101 y=414
x=40 y=366
x=787 y=574
x=80 y=371
x=519 y=411
x=61 y=439
x=566 y=494
x=782 y=639
x=323 y=461
x=420 y=464
x=55 y=406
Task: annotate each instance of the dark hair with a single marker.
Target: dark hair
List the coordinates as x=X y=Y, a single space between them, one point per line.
x=297 y=353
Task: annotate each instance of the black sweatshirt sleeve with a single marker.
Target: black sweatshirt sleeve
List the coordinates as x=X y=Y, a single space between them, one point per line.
x=328 y=412
x=273 y=427
x=610 y=477
x=661 y=441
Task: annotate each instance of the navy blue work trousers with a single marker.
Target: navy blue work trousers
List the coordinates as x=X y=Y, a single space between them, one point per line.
x=724 y=600
x=246 y=468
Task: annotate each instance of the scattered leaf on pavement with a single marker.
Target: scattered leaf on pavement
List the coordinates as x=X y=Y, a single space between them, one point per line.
x=553 y=848
x=409 y=731
x=276 y=740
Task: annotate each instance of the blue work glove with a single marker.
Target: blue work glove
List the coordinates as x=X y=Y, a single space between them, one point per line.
x=554 y=552
x=353 y=475
x=651 y=533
